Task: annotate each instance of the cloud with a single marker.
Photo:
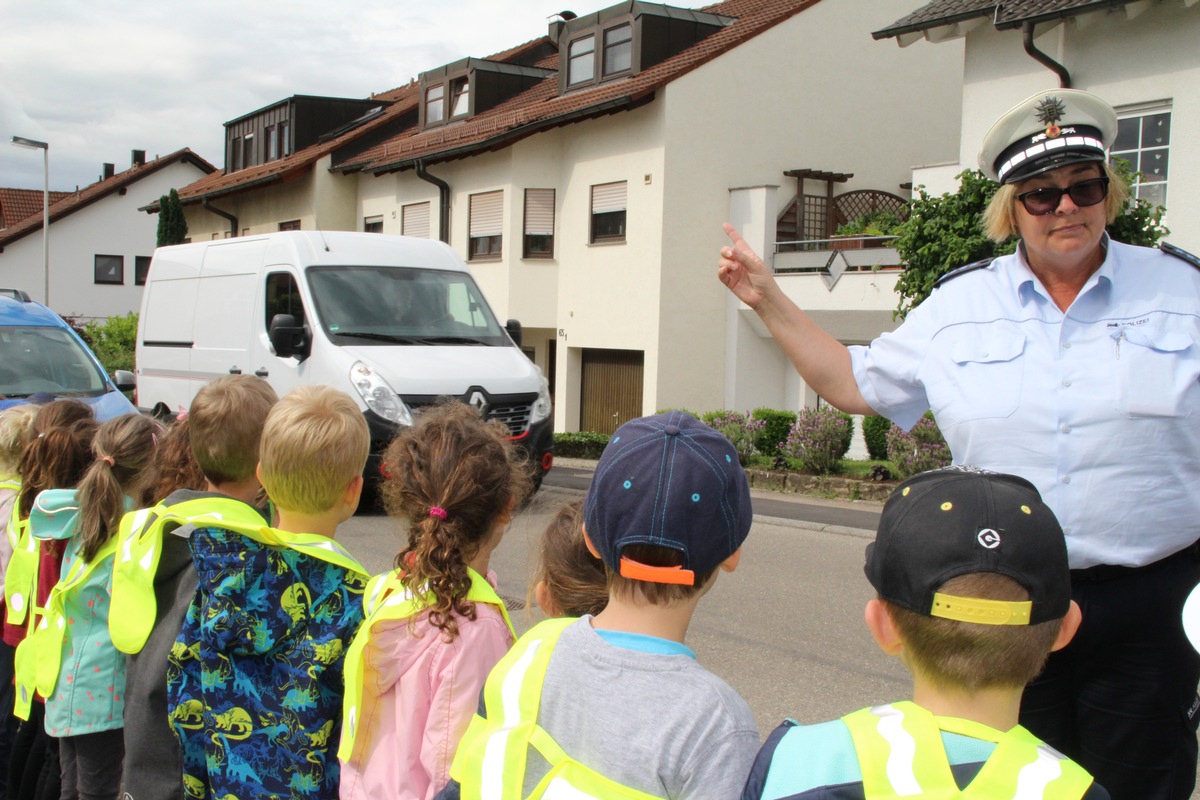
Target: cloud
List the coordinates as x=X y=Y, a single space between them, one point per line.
x=99 y=79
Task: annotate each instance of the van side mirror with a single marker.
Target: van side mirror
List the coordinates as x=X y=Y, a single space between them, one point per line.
x=124 y=380
x=288 y=338
x=513 y=327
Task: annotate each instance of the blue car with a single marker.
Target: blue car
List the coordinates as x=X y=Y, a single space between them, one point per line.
x=41 y=355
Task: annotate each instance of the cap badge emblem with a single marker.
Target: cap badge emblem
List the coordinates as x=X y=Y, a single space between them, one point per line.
x=1049 y=111
x=988 y=538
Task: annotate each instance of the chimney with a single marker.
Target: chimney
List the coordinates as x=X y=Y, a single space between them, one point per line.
x=559 y=23
x=109 y=170
x=138 y=158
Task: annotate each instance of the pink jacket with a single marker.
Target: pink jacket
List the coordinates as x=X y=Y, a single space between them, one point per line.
x=419 y=693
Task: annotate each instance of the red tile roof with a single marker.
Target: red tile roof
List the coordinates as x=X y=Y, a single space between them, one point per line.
x=1009 y=14
x=71 y=202
x=538 y=108
x=17 y=204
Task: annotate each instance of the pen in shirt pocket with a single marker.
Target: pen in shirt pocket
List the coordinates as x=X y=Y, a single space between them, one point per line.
x=1120 y=336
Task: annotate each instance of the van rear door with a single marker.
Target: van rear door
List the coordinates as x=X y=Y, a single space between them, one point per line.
x=225 y=308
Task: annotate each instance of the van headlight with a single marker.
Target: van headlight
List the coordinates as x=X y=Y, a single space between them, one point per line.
x=541 y=407
x=378 y=396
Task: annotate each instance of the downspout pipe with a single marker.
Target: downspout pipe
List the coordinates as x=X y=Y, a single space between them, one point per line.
x=1064 y=77
x=444 y=205
x=233 y=221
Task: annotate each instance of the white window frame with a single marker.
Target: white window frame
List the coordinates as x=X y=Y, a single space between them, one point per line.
x=1142 y=155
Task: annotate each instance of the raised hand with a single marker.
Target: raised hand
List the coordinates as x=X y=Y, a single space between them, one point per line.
x=742 y=271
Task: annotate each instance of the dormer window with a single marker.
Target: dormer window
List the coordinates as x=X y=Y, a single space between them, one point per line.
x=626 y=39
x=582 y=61
x=460 y=96
x=618 y=50
x=435 y=104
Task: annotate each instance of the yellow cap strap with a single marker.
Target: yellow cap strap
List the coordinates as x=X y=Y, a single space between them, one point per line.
x=983 y=612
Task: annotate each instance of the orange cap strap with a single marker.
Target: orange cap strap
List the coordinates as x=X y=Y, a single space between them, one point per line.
x=638 y=571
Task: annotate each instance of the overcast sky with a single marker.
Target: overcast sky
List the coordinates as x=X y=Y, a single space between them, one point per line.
x=98 y=79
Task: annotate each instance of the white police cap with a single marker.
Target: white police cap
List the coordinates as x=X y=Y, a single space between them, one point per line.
x=1046 y=131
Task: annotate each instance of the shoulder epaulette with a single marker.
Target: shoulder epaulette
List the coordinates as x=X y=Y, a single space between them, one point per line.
x=954 y=273
x=1179 y=253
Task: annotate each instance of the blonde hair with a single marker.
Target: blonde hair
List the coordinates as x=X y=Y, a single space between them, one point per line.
x=15 y=424
x=123 y=448
x=454 y=478
x=970 y=656
x=314 y=443
x=573 y=576
x=226 y=421
x=1000 y=216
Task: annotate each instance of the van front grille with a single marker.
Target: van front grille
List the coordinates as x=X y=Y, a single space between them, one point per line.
x=513 y=410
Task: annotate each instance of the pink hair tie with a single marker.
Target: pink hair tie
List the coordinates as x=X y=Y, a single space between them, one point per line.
x=108 y=460
x=440 y=513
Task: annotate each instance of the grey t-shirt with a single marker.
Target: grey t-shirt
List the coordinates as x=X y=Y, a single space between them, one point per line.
x=661 y=724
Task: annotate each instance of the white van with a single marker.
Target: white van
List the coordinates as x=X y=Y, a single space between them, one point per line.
x=395 y=322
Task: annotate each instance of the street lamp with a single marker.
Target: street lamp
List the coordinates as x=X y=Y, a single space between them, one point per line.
x=33 y=144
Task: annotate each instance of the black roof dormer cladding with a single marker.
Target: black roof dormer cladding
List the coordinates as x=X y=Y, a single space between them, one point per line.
x=626 y=39
x=292 y=124
x=472 y=86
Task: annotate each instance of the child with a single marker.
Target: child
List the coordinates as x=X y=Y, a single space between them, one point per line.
x=80 y=673
x=568 y=581
x=415 y=670
x=175 y=465
x=255 y=690
x=55 y=456
x=225 y=424
x=616 y=704
x=974 y=593
x=15 y=424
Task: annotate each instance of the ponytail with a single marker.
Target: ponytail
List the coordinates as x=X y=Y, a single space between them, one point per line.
x=58 y=451
x=123 y=449
x=455 y=478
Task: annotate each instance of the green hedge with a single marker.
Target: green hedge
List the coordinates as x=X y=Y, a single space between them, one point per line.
x=579 y=444
x=875 y=431
x=773 y=436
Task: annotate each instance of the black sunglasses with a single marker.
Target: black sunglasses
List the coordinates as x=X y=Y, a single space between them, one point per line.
x=1041 y=202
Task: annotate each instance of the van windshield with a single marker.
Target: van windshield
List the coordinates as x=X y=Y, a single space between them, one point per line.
x=400 y=305
x=44 y=359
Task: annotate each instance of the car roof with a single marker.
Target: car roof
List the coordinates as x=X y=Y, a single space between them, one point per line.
x=15 y=312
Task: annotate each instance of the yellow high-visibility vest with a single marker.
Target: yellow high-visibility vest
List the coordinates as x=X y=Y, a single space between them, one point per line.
x=387 y=598
x=134 y=609
x=20 y=579
x=491 y=758
x=900 y=754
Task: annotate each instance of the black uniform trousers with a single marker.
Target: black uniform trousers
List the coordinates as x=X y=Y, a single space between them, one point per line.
x=1121 y=699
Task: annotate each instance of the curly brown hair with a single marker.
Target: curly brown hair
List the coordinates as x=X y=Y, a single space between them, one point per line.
x=175 y=466
x=468 y=472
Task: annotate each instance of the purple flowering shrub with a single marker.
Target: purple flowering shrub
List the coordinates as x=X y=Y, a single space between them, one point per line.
x=819 y=439
x=740 y=429
x=918 y=450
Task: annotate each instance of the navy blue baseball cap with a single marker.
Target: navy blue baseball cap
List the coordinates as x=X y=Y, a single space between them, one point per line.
x=668 y=480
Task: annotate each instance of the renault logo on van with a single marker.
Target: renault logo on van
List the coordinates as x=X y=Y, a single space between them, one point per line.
x=477 y=399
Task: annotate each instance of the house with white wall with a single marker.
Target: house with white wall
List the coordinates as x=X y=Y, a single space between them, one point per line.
x=585 y=174
x=100 y=241
x=1140 y=56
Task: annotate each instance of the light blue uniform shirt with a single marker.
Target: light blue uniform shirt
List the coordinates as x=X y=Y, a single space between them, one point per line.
x=1098 y=406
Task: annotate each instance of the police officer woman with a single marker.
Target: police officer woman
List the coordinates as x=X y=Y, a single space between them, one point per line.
x=1075 y=363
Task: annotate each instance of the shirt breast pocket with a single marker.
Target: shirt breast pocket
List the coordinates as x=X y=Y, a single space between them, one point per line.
x=1157 y=372
x=984 y=377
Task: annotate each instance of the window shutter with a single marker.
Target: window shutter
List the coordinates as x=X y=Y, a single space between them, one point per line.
x=539 y=212
x=608 y=197
x=415 y=220
x=487 y=214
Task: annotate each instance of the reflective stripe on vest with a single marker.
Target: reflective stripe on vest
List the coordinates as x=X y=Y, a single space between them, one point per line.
x=39 y=656
x=20 y=579
x=901 y=754
x=386 y=598
x=15 y=487
x=491 y=758
x=134 y=609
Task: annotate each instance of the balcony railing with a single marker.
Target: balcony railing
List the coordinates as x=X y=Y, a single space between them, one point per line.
x=839 y=255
